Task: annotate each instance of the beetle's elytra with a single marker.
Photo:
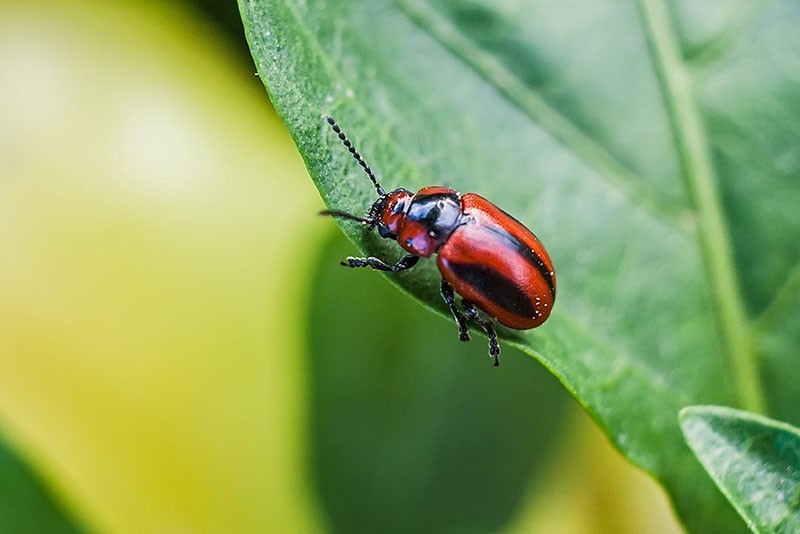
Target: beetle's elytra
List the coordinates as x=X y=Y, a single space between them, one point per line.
x=484 y=254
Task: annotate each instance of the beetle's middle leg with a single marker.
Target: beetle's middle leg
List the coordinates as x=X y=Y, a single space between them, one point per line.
x=450 y=299
x=472 y=313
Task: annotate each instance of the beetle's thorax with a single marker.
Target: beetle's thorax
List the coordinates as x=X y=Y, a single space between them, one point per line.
x=420 y=223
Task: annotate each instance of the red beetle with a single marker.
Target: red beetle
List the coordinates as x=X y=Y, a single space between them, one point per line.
x=484 y=254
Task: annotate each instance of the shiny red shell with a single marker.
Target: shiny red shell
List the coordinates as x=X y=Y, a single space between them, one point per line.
x=495 y=262
x=485 y=254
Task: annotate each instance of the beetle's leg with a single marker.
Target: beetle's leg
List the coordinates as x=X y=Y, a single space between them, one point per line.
x=450 y=299
x=405 y=263
x=472 y=313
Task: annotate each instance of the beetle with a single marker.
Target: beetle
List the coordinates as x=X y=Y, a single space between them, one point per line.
x=486 y=256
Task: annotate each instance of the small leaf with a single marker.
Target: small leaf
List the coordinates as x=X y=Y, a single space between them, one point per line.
x=754 y=460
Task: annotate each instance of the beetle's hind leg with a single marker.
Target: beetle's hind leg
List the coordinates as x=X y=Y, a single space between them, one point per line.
x=405 y=263
x=450 y=299
x=472 y=313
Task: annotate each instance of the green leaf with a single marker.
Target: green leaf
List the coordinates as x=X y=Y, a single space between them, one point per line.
x=754 y=460
x=652 y=147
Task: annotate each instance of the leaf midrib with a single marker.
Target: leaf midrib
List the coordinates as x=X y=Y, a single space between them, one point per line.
x=701 y=182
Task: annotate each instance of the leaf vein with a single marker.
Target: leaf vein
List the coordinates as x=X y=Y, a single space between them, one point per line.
x=784 y=300
x=534 y=105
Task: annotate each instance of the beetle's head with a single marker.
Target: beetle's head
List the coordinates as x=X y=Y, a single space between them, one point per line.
x=389 y=212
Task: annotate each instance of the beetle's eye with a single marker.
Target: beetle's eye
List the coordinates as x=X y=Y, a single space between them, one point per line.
x=384 y=232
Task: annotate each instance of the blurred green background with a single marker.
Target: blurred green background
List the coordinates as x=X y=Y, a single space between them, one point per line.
x=180 y=350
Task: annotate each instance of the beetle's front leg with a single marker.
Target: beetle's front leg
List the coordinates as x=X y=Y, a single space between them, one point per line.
x=405 y=263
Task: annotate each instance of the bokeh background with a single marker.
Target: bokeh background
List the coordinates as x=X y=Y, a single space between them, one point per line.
x=180 y=350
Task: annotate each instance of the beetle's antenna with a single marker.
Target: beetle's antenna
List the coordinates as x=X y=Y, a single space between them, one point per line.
x=345 y=215
x=346 y=142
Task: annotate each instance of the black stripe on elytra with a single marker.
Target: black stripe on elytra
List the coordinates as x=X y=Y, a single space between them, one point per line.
x=525 y=251
x=495 y=287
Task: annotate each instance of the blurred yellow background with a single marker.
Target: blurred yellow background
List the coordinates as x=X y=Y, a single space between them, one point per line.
x=168 y=353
